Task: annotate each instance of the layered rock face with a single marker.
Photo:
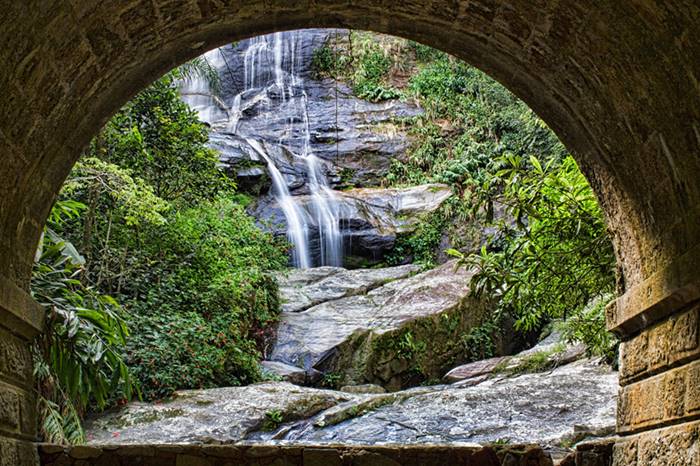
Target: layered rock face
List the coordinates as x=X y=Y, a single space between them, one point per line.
x=294 y=142
x=370 y=219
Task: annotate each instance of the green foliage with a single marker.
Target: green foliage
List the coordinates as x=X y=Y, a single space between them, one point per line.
x=421 y=246
x=362 y=61
x=479 y=342
x=205 y=281
x=589 y=327
x=552 y=256
x=407 y=347
x=159 y=137
x=323 y=61
x=163 y=232
x=331 y=380
x=77 y=360
x=273 y=419
x=199 y=67
x=469 y=121
x=539 y=361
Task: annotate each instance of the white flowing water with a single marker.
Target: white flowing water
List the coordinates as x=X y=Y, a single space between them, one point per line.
x=297 y=226
x=271 y=67
x=325 y=205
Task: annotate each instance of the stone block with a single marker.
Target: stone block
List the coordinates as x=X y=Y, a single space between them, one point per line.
x=222 y=451
x=262 y=451
x=191 y=460
x=671 y=396
x=367 y=458
x=9 y=408
x=674 y=447
x=82 y=452
x=9 y=454
x=664 y=345
x=321 y=457
x=15 y=358
x=625 y=453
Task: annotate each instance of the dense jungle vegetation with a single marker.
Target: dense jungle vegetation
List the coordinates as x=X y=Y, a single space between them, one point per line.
x=154 y=277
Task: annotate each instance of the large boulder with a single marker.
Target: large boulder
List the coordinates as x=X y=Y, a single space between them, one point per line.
x=394 y=335
x=301 y=289
x=212 y=415
x=546 y=408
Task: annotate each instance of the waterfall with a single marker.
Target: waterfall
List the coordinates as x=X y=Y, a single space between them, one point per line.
x=272 y=75
x=297 y=226
x=325 y=204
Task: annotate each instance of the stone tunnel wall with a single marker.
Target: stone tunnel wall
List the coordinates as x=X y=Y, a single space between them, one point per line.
x=659 y=402
x=20 y=322
x=618 y=81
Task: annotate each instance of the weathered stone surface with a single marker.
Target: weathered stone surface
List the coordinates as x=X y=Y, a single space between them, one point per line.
x=9 y=408
x=668 y=397
x=301 y=289
x=677 y=445
x=370 y=218
x=291 y=374
x=473 y=369
x=665 y=344
x=333 y=455
x=547 y=408
x=366 y=388
x=379 y=336
x=221 y=414
x=15 y=358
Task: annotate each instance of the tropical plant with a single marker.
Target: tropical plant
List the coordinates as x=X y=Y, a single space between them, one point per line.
x=78 y=359
x=551 y=255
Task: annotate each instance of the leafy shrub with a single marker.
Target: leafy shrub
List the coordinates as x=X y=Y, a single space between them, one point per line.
x=421 y=246
x=552 y=255
x=207 y=283
x=589 y=327
x=164 y=233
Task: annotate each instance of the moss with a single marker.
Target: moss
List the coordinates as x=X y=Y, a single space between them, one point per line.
x=536 y=362
x=273 y=419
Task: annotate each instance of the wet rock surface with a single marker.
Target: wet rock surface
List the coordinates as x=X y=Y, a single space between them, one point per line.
x=548 y=408
x=301 y=289
x=212 y=415
x=370 y=219
x=280 y=103
x=570 y=398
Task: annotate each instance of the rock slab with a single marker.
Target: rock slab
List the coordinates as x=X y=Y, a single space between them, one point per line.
x=377 y=335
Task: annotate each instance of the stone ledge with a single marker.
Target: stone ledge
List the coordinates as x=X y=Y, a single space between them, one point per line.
x=18 y=311
x=667 y=344
x=671 y=446
x=668 y=398
x=294 y=455
x=657 y=297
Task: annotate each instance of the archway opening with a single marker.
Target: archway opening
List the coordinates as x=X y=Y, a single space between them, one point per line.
x=348 y=149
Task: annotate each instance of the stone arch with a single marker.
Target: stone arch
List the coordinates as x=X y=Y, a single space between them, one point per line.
x=617 y=80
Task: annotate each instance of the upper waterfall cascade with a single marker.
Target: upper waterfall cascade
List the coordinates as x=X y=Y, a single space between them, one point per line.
x=271 y=79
